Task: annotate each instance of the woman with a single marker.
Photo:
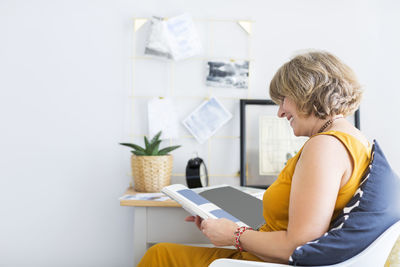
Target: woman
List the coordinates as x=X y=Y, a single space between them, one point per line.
x=314 y=91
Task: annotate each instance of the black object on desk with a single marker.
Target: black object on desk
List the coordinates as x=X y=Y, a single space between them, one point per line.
x=196 y=173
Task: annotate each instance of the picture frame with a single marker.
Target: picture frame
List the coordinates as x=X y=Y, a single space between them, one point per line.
x=250 y=167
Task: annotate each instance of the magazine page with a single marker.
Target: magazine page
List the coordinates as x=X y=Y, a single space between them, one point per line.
x=196 y=204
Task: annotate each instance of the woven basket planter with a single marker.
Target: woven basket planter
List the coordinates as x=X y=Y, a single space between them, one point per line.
x=151 y=173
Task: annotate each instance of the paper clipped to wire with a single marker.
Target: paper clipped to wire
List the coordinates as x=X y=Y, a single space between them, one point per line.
x=207 y=119
x=174 y=38
x=162 y=116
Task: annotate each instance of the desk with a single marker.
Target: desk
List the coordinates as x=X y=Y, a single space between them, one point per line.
x=160 y=221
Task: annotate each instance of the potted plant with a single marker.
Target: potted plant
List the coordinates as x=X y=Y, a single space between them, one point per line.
x=151 y=166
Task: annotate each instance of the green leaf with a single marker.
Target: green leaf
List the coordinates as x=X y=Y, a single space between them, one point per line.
x=156 y=137
x=166 y=150
x=154 y=151
x=146 y=143
x=152 y=147
x=136 y=147
x=139 y=153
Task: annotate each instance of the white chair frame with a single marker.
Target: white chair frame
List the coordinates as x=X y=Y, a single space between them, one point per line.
x=375 y=255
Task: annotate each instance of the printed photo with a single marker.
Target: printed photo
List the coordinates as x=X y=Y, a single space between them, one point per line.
x=206 y=119
x=228 y=74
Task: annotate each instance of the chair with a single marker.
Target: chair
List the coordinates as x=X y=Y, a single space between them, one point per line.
x=374 y=255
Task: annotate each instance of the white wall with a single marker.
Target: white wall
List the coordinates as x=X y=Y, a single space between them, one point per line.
x=65 y=77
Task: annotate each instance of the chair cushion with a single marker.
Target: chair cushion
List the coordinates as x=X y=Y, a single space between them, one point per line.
x=374 y=207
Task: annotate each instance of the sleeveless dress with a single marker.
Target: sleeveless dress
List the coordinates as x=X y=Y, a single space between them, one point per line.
x=275 y=212
x=276 y=198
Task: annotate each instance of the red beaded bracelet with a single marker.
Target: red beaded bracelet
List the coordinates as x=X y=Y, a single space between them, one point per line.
x=239 y=231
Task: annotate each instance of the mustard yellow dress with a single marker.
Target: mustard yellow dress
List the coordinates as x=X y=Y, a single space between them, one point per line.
x=275 y=211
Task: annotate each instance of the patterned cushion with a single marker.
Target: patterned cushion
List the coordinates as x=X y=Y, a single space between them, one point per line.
x=374 y=207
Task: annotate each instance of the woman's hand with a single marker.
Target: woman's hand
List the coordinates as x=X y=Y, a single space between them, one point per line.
x=196 y=219
x=221 y=232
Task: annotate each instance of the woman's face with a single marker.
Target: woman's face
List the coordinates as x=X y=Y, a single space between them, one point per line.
x=300 y=124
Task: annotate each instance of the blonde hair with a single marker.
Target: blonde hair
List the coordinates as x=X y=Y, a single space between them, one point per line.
x=319 y=83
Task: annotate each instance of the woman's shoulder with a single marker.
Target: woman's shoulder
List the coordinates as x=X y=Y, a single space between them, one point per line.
x=353 y=138
x=338 y=146
x=327 y=154
x=323 y=143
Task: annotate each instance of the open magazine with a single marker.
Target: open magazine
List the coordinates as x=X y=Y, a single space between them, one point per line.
x=219 y=202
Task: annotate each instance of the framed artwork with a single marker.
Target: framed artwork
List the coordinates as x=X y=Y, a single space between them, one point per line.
x=267 y=142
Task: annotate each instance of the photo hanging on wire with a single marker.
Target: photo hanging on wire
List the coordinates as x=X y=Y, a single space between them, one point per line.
x=207 y=119
x=173 y=38
x=228 y=74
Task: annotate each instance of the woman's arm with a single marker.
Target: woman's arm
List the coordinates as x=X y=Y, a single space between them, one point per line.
x=315 y=186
